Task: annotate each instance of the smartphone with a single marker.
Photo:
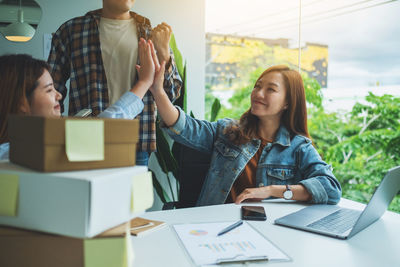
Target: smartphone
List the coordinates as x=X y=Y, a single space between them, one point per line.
x=83 y=112
x=256 y=213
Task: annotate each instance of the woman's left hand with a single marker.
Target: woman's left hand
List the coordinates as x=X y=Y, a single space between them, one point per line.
x=157 y=85
x=256 y=194
x=146 y=70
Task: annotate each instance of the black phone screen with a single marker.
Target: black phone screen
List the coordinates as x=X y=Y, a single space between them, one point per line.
x=253 y=213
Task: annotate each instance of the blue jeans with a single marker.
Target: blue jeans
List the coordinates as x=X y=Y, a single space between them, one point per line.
x=142 y=158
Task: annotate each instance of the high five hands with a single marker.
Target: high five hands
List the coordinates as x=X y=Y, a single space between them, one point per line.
x=150 y=71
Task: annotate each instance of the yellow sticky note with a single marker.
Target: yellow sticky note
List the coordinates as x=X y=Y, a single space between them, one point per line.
x=84 y=140
x=129 y=248
x=9 y=187
x=106 y=252
x=142 y=192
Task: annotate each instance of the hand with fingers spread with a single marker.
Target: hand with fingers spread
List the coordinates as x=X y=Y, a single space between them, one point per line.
x=158 y=82
x=146 y=70
x=160 y=36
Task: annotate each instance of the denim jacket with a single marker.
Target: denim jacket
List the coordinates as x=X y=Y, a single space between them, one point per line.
x=285 y=161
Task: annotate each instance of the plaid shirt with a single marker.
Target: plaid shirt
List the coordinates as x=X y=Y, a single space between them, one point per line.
x=76 y=55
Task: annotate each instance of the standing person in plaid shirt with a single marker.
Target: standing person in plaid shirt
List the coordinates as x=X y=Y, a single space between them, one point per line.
x=98 y=52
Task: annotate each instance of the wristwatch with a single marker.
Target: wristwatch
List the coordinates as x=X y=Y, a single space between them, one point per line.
x=288 y=194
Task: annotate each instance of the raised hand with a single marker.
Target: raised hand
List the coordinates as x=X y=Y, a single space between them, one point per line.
x=165 y=108
x=158 y=82
x=146 y=70
x=160 y=37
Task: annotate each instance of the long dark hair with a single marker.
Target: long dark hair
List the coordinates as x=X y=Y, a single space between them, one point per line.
x=19 y=75
x=294 y=118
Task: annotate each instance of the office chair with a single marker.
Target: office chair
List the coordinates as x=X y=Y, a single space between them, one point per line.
x=193 y=168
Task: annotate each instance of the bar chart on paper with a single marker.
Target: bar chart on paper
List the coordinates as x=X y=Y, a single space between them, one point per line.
x=243 y=243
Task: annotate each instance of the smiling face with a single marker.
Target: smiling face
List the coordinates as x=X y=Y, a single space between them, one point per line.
x=268 y=98
x=45 y=98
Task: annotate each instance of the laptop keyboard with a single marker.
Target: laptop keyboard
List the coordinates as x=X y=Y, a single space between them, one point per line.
x=338 y=222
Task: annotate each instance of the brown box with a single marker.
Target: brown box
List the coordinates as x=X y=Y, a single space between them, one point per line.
x=31 y=249
x=40 y=143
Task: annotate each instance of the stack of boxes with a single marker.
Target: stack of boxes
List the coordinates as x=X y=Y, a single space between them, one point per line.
x=75 y=206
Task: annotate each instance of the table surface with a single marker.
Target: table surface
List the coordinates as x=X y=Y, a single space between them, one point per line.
x=377 y=245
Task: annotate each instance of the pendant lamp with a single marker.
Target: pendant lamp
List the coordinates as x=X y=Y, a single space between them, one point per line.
x=19 y=31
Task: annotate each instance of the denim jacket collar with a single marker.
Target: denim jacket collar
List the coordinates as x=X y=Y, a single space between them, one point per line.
x=282 y=137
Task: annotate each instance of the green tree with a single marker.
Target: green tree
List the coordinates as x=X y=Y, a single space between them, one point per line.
x=361 y=145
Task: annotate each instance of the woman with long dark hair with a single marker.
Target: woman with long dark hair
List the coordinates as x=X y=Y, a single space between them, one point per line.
x=267 y=153
x=26 y=87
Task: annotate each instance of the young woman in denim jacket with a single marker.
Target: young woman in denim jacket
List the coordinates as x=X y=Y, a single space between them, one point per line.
x=259 y=155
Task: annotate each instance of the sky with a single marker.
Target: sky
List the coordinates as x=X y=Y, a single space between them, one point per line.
x=363 y=45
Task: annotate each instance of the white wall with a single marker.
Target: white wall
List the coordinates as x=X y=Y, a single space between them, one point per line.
x=185 y=16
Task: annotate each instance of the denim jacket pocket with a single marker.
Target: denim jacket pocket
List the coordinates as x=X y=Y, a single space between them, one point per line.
x=281 y=172
x=226 y=150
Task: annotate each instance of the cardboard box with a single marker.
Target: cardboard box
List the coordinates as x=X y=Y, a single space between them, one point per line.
x=77 y=204
x=31 y=249
x=69 y=143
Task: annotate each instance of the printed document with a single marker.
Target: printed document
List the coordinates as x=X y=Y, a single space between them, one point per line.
x=243 y=243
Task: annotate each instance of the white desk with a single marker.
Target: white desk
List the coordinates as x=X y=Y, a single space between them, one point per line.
x=377 y=245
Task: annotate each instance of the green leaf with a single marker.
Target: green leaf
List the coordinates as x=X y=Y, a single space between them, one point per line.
x=170 y=188
x=159 y=190
x=181 y=101
x=216 y=106
x=164 y=155
x=161 y=161
x=176 y=152
x=185 y=88
x=177 y=55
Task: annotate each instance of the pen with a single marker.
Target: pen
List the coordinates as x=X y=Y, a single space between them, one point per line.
x=230 y=227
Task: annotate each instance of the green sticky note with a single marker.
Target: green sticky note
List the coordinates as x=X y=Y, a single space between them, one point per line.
x=84 y=140
x=106 y=252
x=142 y=192
x=9 y=185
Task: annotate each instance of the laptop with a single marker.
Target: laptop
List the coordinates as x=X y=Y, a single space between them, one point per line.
x=343 y=223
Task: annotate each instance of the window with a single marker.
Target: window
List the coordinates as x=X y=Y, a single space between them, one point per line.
x=350 y=65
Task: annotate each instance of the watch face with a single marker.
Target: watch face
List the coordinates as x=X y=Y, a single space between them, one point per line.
x=288 y=194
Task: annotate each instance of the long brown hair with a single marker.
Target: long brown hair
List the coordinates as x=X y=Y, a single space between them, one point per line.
x=19 y=75
x=294 y=118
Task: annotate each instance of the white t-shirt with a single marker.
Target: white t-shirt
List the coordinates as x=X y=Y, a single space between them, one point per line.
x=119 y=49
